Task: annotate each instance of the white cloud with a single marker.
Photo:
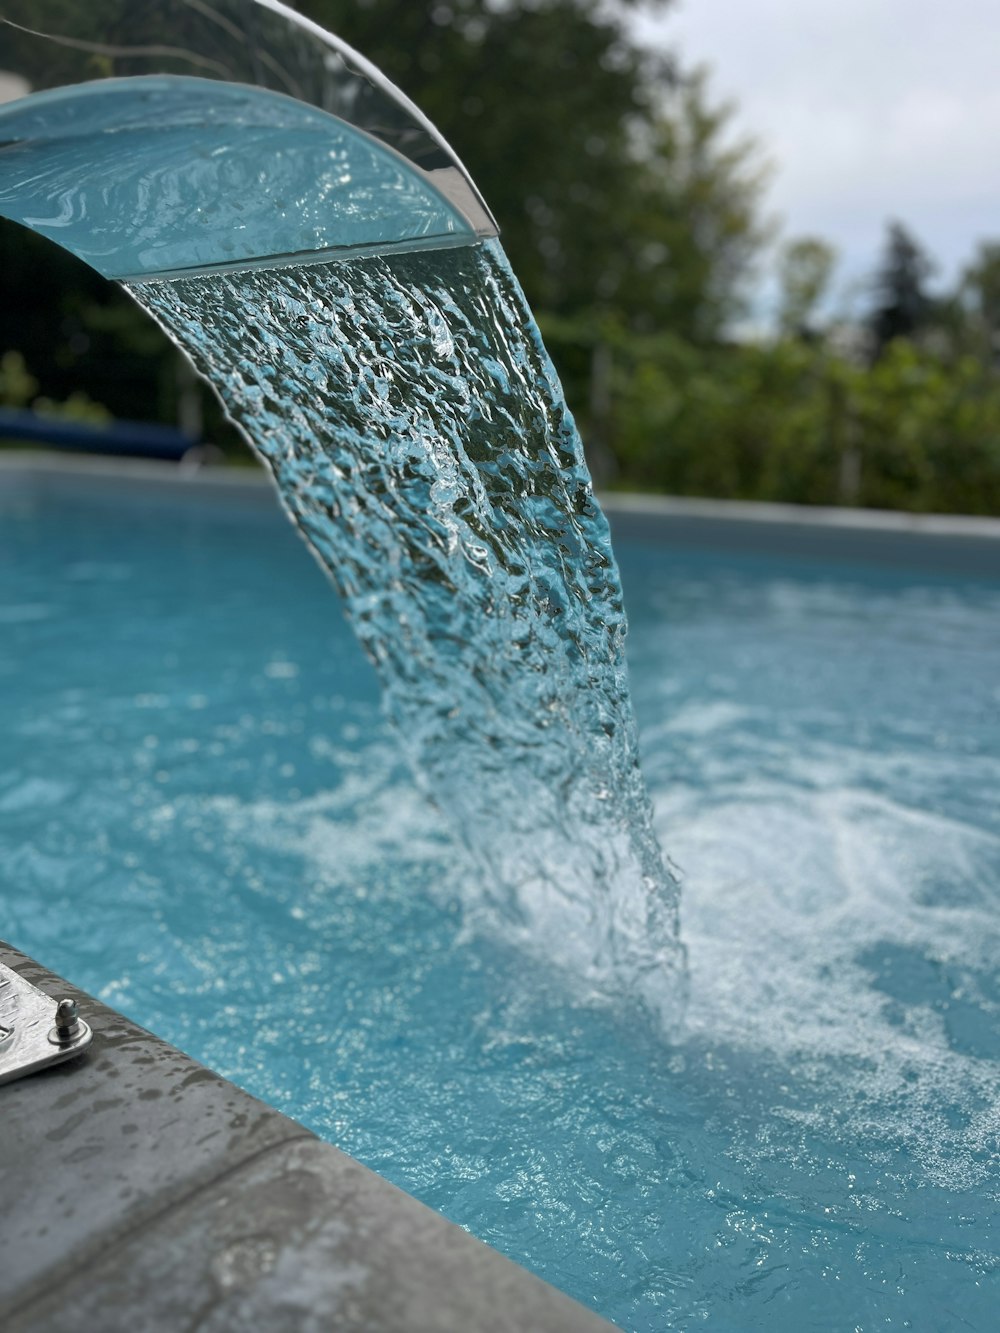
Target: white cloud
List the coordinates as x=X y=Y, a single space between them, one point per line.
x=869 y=109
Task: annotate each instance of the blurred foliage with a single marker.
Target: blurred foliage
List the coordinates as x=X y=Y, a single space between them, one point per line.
x=85 y=341
x=792 y=420
x=902 y=305
x=805 y=267
x=609 y=170
x=19 y=389
x=633 y=215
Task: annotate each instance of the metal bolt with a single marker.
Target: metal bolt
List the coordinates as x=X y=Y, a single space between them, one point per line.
x=67 y=1020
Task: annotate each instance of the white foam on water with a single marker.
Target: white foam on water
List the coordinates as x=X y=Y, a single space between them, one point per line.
x=818 y=945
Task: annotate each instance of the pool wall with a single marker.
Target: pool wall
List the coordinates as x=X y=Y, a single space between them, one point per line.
x=950 y=544
x=937 y=543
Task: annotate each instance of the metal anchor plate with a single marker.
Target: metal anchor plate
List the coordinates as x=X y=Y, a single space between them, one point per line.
x=35 y=1030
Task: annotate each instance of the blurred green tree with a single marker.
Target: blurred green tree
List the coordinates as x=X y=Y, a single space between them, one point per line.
x=617 y=184
x=902 y=305
x=976 y=305
x=690 y=225
x=539 y=99
x=805 y=269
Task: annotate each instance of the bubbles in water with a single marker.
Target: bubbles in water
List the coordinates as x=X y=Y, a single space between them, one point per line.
x=824 y=760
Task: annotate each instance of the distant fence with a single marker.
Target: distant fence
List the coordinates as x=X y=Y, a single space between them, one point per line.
x=138 y=439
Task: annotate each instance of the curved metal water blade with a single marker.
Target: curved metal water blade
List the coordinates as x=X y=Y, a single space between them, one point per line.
x=187 y=136
x=310 y=240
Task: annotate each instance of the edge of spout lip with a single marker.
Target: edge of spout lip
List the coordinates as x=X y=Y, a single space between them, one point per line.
x=335 y=254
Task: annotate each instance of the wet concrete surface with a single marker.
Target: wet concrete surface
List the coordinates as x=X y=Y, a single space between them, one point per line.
x=141 y=1191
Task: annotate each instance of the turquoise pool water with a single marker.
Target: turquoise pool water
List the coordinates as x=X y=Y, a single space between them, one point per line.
x=204 y=820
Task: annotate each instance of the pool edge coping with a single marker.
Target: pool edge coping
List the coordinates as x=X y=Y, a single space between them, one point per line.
x=255 y=482
x=229 y=1205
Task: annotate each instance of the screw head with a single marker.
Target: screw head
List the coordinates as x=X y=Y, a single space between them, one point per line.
x=67 y=1020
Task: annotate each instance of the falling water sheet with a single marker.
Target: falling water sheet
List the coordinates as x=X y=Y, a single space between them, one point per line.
x=420 y=442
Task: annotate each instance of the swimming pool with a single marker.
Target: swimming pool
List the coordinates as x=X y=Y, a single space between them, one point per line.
x=204 y=820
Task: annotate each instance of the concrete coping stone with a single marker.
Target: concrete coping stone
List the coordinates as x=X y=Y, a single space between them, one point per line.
x=250 y=482
x=142 y=1191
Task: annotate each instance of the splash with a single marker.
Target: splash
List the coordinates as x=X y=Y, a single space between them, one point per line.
x=420 y=442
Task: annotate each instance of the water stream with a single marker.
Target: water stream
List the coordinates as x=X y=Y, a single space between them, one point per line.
x=419 y=439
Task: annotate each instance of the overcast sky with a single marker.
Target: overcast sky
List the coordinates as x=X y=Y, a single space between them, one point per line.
x=868 y=110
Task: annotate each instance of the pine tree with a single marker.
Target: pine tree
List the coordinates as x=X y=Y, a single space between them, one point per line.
x=903 y=306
